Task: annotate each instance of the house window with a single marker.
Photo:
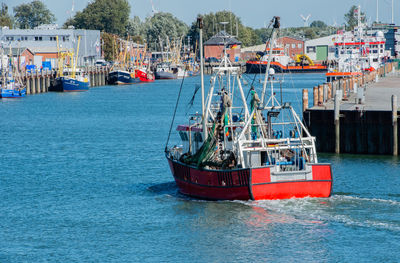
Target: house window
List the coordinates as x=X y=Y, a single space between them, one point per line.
x=311 y=49
x=299 y=45
x=9 y=38
x=53 y=38
x=293 y=45
x=38 y=38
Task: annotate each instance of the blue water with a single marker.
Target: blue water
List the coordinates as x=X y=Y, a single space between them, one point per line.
x=83 y=178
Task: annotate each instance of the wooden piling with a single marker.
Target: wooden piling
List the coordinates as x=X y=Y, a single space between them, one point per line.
x=33 y=84
x=315 y=96
x=329 y=90
x=305 y=100
x=395 y=126
x=337 y=123
x=320 y=94
x=28 y=84
x=344 y=90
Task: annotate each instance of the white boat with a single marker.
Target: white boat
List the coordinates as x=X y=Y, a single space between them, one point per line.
x=356 y=52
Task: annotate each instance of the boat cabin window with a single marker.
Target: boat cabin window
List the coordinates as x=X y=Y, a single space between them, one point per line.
x=198 y=137
x=183 y=136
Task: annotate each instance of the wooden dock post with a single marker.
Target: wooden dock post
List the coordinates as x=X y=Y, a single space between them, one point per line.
x=33 y=83
x=337 y=123
x=315 y=96
x=48 y=81
x=329 y=90
x=394 y=122
x=305 y=100
x=28 y=84
x=43 y=82
x=320 y=95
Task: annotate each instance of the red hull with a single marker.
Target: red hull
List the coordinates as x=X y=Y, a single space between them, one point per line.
x=245 y=184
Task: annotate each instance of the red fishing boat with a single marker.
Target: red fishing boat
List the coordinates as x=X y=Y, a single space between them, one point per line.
x=240 y=150
x=144 y=75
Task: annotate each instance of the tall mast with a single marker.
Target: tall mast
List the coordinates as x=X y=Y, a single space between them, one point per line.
x=271 y=44
x=392 y=12
x=200 y=25
x=377 y=11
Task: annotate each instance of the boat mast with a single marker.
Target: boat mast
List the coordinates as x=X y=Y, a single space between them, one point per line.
x=204 y=121
x=276 y=26
x=75 y=61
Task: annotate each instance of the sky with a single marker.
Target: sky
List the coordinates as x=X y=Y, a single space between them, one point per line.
x=253 y=13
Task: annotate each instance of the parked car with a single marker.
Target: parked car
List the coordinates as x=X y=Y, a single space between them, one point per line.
x=213 y=60
x=101 y=63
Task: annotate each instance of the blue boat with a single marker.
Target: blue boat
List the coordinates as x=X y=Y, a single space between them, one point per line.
x=68 y=84
x=12 y=90
x=122 y=77
x=69 y=78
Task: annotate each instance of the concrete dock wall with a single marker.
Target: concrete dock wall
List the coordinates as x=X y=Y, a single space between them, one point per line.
x=367 y=132
x=346 y=120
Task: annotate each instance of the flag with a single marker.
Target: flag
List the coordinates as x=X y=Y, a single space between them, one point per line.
x=234 y=46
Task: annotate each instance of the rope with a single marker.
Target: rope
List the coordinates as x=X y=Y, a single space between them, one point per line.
x=176 y=107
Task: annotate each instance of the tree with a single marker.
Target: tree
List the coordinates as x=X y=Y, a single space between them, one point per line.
x=5 y=18
x=164 y=25
x=104 y=15
x=212 y=25
x=33 y=14
x=309 y=33
x=351 y=17
x=136 y=29
x=318 y=23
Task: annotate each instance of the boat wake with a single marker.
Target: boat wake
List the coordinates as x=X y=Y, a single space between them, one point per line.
x=348 y=210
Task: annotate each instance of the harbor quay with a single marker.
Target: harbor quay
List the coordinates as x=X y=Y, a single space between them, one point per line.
x=39 y=82
x=356 y=115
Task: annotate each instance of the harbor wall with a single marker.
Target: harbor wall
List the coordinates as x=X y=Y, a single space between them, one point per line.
x=354 y=129
x=369 y=132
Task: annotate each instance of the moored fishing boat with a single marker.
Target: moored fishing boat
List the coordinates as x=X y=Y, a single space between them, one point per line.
x=11 y=89
x=233 y=150
x=69 y=78
x=11 y=85
x=70 y=83
x=122 y=77
x=144 y=75
x=357 y=52
x=164 y=70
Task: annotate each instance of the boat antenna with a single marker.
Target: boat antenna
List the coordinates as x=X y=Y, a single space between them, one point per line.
x=200 y=25
x=276 y=26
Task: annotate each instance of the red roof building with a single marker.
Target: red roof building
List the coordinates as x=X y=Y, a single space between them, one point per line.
x=214 y=47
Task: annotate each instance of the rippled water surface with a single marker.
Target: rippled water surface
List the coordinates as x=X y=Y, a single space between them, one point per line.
x=83 y=178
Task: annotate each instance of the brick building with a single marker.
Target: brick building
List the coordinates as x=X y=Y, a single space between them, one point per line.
x=214 y=47
x=291 y=45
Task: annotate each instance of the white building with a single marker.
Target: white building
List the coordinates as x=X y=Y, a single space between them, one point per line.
x=44 y=36
x=321 y=49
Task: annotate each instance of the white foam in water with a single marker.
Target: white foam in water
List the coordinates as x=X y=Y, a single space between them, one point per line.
x=347 y=210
